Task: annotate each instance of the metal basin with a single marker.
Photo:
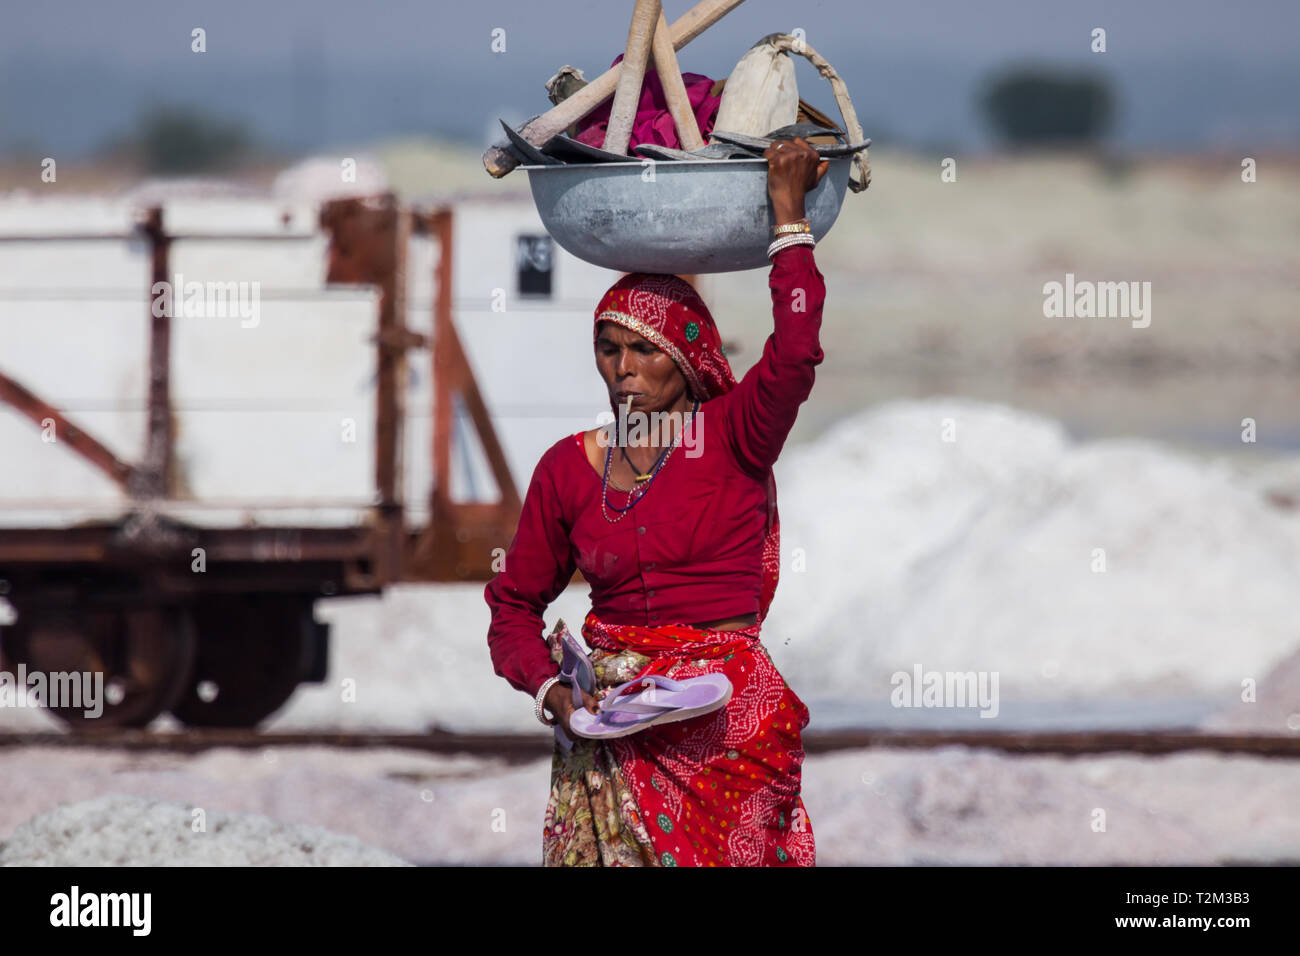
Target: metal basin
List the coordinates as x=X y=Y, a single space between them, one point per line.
x=693 y=217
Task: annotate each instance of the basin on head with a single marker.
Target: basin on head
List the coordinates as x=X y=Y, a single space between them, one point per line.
x=690 y=218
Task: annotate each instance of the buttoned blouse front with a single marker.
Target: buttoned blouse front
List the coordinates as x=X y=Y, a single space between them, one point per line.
x=689 y=549
x=683 y=552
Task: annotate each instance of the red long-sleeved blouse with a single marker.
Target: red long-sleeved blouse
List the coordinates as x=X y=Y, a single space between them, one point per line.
x=688 y=551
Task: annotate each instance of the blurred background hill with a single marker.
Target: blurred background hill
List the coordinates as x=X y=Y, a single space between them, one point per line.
x=1190 y=75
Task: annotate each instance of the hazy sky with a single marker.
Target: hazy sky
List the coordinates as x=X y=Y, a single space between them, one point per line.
x=1189 y=72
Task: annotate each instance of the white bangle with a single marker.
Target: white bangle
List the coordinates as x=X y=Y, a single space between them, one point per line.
x=794 y=238
x=785 y=242
x=541 y=698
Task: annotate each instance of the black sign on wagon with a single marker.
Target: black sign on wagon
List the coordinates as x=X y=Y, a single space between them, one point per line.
x=534 y=264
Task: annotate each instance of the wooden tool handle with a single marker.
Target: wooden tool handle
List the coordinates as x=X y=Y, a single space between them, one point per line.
x=670 y=76
x=628 y=93
x=498 y=160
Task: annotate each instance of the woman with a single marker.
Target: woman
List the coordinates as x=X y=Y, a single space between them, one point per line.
x=678 y=537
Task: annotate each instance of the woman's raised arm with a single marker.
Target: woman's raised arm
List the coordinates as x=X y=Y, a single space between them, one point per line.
x=762 y=408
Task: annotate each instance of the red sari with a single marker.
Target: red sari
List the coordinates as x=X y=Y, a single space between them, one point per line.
x=721 y=789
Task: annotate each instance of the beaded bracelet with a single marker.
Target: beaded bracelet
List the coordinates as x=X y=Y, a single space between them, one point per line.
x=541 y=698
x=785 y=242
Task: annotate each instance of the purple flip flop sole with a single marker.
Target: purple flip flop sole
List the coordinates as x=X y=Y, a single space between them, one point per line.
x=663 y=701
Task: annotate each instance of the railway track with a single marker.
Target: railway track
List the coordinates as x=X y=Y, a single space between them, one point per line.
x=533 y=746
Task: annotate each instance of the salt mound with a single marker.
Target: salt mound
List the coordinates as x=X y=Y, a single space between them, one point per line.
x=119 y=830
x=979 y=554
x=880 y=492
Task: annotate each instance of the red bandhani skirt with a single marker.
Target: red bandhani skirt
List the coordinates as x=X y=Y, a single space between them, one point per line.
x=721 y=789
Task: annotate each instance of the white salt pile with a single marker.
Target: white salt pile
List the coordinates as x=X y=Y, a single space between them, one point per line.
x=983 y=553
x=121 y=830
x=1103 y=568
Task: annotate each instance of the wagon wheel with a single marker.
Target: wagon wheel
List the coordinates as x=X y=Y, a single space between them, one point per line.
x=251 y=656
x=144 y=655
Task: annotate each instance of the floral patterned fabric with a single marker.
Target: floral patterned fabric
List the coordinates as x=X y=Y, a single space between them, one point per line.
x=721 y=789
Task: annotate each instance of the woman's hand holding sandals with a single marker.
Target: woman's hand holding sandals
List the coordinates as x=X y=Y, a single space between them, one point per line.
x=559 y=701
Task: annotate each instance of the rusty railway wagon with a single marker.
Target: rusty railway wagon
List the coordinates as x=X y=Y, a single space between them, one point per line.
x=170 y=519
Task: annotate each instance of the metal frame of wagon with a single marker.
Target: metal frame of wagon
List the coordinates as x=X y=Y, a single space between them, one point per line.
x=139 y=566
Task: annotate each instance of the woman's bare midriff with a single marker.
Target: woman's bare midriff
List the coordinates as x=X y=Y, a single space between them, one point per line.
x=730 y=623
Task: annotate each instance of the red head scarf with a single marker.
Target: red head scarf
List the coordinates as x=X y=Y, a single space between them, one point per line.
x=666 y=311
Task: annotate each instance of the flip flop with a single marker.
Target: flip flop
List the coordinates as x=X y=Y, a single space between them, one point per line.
x=575 y=669
x=662 y=701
